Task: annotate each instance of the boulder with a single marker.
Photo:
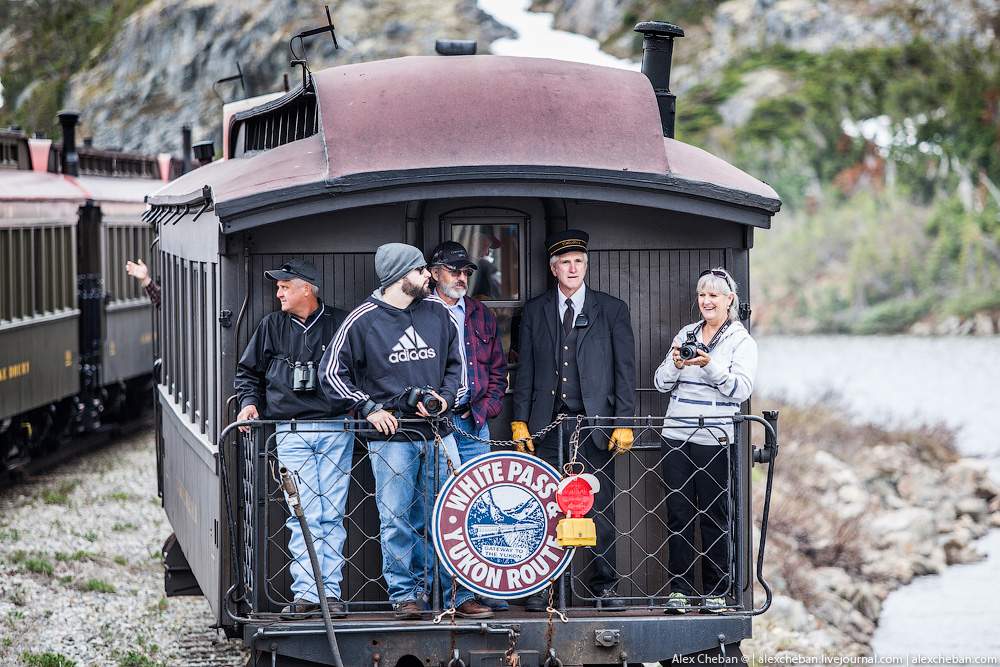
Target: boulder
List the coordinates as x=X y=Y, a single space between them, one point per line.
x=790 y=614
x=908 y=529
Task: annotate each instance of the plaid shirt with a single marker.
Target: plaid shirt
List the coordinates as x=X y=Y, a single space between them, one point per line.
x=486 y=365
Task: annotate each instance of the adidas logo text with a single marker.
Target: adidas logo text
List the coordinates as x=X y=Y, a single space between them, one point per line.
x=410 y=348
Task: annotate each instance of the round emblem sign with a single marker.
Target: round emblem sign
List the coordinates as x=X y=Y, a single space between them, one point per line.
x=495 y=525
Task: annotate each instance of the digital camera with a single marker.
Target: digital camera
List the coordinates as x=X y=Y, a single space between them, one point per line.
x=415 y=395
x=303 y=377
x=689 y=350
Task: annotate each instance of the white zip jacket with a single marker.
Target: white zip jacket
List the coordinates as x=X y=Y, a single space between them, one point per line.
x=714 y=391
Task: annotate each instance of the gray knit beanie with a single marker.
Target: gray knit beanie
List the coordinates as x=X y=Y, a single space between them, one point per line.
x=395 y=260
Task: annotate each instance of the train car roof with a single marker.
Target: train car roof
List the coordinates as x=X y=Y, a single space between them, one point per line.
x=426 y=127
x=46 y=186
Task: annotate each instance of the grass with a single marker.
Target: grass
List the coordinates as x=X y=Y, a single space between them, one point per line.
x=60 y=495
x=47 y=660
x=121 y=527
x=79 y=555
x=135 y=659
x=38 y=566
x=96 y=586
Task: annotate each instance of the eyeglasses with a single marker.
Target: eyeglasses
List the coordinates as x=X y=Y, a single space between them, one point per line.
x=420 y=269
x=458 y=272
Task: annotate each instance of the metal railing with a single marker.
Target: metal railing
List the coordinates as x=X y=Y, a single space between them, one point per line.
x=645 y=492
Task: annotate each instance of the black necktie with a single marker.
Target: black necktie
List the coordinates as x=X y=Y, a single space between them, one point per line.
x=568 y=316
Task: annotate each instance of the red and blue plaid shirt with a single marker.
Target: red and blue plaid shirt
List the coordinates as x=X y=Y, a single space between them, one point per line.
x=485 y=362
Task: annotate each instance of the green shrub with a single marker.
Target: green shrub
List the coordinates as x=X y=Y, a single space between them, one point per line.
x=47 y=660
x=96 y=586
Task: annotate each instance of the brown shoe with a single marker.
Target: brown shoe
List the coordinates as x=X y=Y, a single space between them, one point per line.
x=336 y=608
x=408 y=610
x=300 y=609
x=472 y=609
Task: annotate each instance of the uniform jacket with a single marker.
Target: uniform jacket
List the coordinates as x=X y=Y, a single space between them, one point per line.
x=380 y=351
x=713 y=391
x=605 y=355
x=264 y=374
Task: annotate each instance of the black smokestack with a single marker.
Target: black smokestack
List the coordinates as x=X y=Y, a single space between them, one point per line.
x=185 y=149
x=657 y=52
x=70 y=160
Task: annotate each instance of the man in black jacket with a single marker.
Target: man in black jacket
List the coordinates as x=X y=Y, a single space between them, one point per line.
x=577 y=357
x=277 y=377
x=393 y=342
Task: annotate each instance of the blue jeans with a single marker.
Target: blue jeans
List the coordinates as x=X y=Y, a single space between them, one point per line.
x=404 y=495
x=468 y=448
x=319 y=458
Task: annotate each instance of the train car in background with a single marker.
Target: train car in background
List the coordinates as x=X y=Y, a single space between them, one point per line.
x=76 y=334
x=498 y=153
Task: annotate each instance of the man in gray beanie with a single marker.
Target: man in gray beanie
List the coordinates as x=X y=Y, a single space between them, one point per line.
x=394 y=260
x=394 y=342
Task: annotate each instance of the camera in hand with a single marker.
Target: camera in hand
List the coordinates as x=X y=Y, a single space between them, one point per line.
x=303 y=377
x=689 y=350
x=415 y=395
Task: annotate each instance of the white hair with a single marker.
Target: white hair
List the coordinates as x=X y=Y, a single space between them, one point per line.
x=724 y=286
x=555 y=258
x=314 y=288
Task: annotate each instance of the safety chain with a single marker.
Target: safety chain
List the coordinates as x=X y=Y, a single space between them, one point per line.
x=574 y=448
x=513 y=659
x=439 y=443
x=514 y=443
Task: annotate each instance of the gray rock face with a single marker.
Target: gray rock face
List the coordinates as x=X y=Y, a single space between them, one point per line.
x=160 y=75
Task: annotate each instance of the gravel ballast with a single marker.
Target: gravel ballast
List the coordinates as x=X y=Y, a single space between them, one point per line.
x=81 y=573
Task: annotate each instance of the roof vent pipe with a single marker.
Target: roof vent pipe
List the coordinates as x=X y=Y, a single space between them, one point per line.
x=657 y=51
x=70 y=160
x=185 y=149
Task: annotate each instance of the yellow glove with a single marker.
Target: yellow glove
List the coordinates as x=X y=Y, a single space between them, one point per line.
x=621 y=440
x=520 y=431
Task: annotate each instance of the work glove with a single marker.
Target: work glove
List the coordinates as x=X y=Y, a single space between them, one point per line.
x=621 y=440
x=520 y=431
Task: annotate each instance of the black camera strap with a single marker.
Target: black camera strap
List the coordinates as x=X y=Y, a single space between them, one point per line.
x=718 y=334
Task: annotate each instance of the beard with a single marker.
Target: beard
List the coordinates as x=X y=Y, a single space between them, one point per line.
x=454 y=291
x=414 y=290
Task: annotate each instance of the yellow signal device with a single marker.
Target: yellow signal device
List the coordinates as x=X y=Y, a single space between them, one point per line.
x=576 y=533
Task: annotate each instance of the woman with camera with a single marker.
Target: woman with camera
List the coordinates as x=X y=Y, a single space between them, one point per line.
x=709 y=371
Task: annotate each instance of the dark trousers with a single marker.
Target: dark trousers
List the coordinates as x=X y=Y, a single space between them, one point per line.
x=598 y=461
x=696 y=478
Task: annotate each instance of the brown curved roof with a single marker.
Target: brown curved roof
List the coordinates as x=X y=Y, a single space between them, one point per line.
x=424 y=112
x=462 y=115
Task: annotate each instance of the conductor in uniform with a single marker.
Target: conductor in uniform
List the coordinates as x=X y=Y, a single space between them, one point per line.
x=577 y=357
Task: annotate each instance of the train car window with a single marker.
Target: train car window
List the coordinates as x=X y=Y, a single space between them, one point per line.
x=493 y=238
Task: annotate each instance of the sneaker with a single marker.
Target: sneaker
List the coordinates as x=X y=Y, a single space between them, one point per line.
x=336 y=608
x=676 y=603
x=495 y=604
x=713 y=605
x=408 y=610
x=300 y=609
x=472 y=609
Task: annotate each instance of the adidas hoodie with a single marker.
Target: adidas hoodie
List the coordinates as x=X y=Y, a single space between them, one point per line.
x=380 y=351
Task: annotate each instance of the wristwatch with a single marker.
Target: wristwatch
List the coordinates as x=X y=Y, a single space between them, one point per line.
x=369 y=407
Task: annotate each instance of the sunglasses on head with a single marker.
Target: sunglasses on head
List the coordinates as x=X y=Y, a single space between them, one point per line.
x=718 y=274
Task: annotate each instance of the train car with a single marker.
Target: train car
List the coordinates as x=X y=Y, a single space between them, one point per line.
x=76 y=335
x=420 y=150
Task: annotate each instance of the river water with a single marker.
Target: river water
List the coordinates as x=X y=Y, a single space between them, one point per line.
x=883 y=379
x=906 y=379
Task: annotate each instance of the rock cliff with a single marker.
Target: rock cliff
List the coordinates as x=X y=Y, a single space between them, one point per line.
x=161 y=71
